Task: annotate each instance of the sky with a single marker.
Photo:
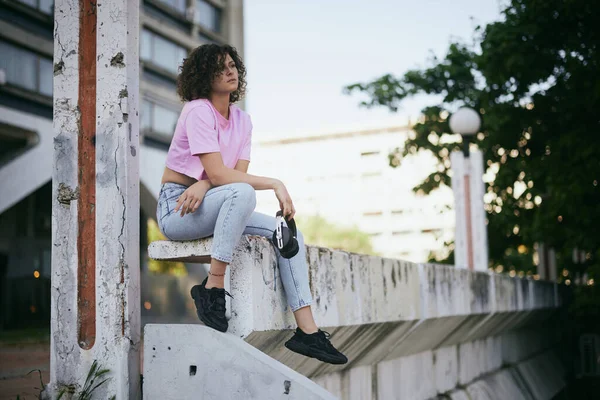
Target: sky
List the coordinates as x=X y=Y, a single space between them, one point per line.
x=299 y=55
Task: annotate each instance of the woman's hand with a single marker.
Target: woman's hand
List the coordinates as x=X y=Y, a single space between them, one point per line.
x=285 y=201
x=190 y=200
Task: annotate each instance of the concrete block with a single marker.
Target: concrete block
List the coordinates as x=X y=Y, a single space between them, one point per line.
x=445 y=364
x=358 y=383
x=459 y=395
x=351 y=384
x=332 y=383
x=408 y=377
x=478 y=357
x=453 y=300
x=196 y=362
x=193 y=251
x=540 y=377
x=521 y=344
x=544 y=294
x=508 y=294
x=445 y=290
x=427 y=334
x=502 y=385
x=544 y=374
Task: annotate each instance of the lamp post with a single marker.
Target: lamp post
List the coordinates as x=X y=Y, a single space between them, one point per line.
x=466 y=122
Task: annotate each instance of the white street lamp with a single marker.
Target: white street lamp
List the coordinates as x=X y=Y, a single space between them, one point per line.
x=466 y=122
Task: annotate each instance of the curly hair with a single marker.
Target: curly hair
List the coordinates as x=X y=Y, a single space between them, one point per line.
x=202 y=66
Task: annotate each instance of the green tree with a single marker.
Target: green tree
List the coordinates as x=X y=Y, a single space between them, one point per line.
x=162 y=267
x=533 y=78
x=320 y=232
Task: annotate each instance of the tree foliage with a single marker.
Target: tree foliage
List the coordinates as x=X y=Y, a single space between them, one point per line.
x=175 y=268
x=320 y=232
x=533 y=76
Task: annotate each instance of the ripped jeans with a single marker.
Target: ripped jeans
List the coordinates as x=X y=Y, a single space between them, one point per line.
x=227 y=212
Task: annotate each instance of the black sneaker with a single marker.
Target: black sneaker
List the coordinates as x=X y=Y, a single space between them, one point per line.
x=210 y=306
x=315 y=345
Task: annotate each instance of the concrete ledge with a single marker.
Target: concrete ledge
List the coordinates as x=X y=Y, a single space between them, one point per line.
x=196 y=362
x=196 y=251
x=380 y=311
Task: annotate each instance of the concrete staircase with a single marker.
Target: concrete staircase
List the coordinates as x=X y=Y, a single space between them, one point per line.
x=410 y=331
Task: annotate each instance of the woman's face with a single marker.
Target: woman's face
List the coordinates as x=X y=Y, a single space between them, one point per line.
x=227 y=81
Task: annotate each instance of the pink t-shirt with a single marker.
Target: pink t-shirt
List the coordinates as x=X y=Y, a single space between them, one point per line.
x=202 y=129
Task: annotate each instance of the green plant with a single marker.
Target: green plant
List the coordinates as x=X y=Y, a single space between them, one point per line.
x=175 y=268
x=320 y=232
x=94 y=374
x=41 y=388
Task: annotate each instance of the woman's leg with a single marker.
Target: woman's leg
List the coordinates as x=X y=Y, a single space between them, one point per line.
x=293 y=271
x=308 y=339
x=223 y=213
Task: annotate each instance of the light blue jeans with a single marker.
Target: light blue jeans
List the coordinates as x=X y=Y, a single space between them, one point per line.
x=227 y=212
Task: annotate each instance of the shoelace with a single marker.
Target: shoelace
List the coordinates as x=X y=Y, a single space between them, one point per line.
x=326 y=334
x=218 y=304
x=324 y=337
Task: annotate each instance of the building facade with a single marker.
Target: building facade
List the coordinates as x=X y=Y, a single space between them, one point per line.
x=169 y=29
x=346 y=178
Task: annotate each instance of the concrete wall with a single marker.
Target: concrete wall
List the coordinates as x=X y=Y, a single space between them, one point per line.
x=410 y=330
x=511 y=366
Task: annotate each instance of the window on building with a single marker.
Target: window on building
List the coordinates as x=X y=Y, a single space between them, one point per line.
x=26 y=69
x=46 y=76
x=45 y=6
x=161 y=52
x=158 y=121
x=208 y=16
x=178 y=5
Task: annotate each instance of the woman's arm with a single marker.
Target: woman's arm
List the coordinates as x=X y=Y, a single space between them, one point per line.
x=220 y=175
x=242 y=166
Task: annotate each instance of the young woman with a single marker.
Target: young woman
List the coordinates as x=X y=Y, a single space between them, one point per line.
x=206 y=191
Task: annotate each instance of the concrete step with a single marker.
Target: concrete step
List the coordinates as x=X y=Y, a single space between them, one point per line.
x=197 y=362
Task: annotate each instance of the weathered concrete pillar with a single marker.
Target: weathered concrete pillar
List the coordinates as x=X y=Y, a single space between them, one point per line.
x=95 y=211
x=471 y=247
